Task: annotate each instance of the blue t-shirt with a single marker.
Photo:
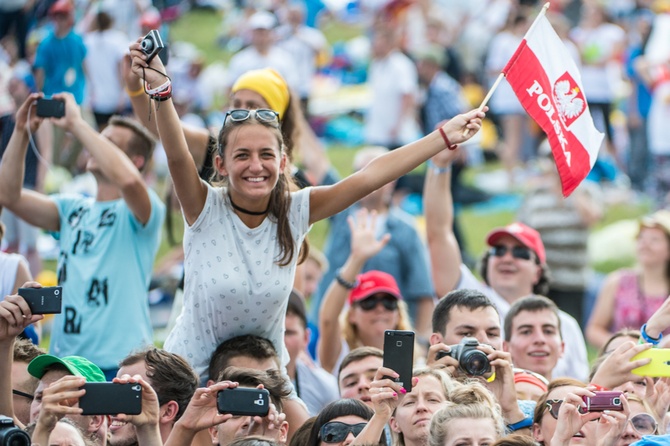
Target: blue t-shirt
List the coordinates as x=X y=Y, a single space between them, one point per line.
x=62 y=60
x=104 y=267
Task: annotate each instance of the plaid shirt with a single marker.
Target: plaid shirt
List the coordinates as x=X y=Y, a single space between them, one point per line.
x=444 y=100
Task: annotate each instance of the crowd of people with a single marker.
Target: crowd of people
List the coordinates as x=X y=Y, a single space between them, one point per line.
x=272 y=341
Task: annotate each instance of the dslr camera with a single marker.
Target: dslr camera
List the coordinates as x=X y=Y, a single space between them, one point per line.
x=470 y=360
x=152 y=44
x=10 y=435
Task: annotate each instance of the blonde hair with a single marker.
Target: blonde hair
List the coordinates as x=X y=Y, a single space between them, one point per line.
x=469 y=400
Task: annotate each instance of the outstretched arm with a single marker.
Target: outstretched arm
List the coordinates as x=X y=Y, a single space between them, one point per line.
x=143 y=108
x=114 y=164
x=191 y=191
x=438 y=205
x=329 y=200
x=15 y=315
x=33 y=207
x=364 y=246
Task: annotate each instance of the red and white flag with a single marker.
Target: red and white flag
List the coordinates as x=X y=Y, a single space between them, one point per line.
x=548 y=84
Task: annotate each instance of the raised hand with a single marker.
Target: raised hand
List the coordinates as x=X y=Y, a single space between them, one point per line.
x=28 y=121
x=201 y=412
x=386 y=393
x=15 y=315
x=611 y=425
x=150 y=406
x=616 y=368
x=364 y=242
x=151 y=72
x=60 y=399
x=462 y=127
x=450 y=363
x=570 y=419
x=72 y=112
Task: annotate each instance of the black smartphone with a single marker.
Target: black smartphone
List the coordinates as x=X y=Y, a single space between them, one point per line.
x=244 y=401
x=45 y=300
x=399 y=355
x=111 y=399
x=605 y=400
x=50 y=108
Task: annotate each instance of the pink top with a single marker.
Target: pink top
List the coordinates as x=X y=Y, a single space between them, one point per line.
x=632 y=309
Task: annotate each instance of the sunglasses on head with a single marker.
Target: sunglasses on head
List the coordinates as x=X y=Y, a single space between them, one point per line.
x=518 y=252
x=390 y=303
x=337 y=432
x=261 y=114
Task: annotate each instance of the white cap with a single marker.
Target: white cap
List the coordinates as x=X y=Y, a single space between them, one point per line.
x=262 y=20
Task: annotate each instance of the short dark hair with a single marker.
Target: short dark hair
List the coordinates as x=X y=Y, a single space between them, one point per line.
x=26 y=351
x=250 y=346
x=272 y=380
x=465 y=298
x=542 y=285
x=142 y=142
x=532 y=303
x=296 y=307
x=340 y=408
x=169 y=374
x=358 y=354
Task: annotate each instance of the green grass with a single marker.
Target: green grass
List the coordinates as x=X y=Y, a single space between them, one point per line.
x=201 y=27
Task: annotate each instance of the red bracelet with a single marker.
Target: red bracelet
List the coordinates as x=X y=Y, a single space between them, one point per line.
x=450 y=146
x=598 y=388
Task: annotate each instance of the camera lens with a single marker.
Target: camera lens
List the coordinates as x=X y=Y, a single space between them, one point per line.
x=475 y=363
x=147 y=45
x=17 y=438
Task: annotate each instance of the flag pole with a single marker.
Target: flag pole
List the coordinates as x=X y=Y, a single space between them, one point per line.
x=501 y=76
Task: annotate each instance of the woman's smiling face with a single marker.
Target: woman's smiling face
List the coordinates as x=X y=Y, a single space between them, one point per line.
x=252 y=161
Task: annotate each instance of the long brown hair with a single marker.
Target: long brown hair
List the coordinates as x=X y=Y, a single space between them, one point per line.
x=280 y=198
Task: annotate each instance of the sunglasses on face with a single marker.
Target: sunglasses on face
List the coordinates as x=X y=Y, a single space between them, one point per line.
x=518 y=252
x=644 y=424
x=261 y=114
x=370 y=303
x=23 y=394
x=337 y=432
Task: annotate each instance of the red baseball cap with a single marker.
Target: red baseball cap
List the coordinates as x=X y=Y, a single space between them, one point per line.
x=61 y=7
x=528 y=236
x=374 y=282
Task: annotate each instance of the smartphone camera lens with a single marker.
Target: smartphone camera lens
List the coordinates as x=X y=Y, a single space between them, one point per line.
x=617 y=401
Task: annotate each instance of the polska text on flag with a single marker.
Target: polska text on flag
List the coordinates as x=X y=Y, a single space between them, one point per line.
x=548 y=85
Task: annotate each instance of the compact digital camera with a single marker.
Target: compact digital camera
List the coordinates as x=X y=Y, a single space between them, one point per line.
x=10 y=435
x=152 y=44
x=471 y=361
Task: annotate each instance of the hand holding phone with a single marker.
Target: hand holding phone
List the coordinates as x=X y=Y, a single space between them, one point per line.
x=659 y=365
x=243 y=401
x=45 y=300
x=399 y=355
x=604 y=400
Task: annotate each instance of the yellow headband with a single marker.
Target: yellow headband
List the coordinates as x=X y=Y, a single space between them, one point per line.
x=269 y=84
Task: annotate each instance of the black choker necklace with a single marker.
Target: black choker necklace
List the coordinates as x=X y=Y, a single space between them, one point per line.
x=246 y=211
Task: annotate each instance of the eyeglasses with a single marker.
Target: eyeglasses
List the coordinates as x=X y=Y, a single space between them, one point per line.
x=370 y=303
x=262 y=114
x=644 y=424
x=337 y=432
x=518 y=252
x=23 y=394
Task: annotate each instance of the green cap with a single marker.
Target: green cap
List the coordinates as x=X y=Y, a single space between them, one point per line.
x=77 y=365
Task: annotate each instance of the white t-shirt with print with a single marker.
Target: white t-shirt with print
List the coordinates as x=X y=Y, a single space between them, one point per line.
x=233 y=285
